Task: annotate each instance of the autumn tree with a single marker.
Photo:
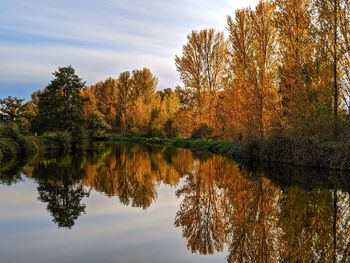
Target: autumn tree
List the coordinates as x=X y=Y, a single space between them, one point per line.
x=327 y=31
x=142 y=97
x=123 y=102
x=202 y=67
x=236 y=108
x=252 y=64
x=296 y=68
x=166 y=106
x=101 y=98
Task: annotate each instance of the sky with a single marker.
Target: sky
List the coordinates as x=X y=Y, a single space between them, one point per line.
x=99 y=38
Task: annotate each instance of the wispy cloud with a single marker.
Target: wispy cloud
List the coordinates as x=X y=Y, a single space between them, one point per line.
x=99 y=38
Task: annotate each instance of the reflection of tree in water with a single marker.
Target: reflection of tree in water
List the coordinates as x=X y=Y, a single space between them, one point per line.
x=252 y=219
x=63 y=201
x=61 y=188
x=133 y=173
x=201 y=213
x=259 y=221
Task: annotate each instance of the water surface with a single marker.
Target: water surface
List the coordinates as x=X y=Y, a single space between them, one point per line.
x=132 y=203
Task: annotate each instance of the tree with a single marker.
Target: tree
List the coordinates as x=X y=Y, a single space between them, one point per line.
x=102 y=97
x=238 y=106
x=142 y=98
x=327 y=31
x=123 y=102
x=166 y=105
x=11 y=108
x=253 y=67
x=60 y=106
x=201 y=67
x=296 y=67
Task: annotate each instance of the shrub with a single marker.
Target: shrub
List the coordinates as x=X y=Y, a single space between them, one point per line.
x=202 y=132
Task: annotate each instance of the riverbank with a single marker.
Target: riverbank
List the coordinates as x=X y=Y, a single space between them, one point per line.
x=30 y=147
x=282 y=150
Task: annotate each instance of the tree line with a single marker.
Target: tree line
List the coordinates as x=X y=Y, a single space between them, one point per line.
x=282 y=69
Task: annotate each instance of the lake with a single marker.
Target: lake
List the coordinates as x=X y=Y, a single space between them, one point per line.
x=131 y=203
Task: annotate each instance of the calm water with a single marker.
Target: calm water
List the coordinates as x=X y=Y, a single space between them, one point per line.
x=128 y=203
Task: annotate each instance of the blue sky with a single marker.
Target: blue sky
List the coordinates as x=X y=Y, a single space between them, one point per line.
x=99 y=38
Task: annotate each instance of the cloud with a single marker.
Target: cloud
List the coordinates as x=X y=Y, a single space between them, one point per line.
x=99 y=38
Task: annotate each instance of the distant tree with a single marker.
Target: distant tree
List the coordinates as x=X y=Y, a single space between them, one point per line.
x=60 y=106
x=11 y=108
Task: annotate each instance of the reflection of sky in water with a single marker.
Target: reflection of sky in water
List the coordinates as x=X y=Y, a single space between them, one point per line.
x=109 y=232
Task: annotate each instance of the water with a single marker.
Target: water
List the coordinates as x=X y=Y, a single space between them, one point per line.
x=129 y=203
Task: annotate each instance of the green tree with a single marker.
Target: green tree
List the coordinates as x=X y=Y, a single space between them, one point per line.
x=60 y=106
